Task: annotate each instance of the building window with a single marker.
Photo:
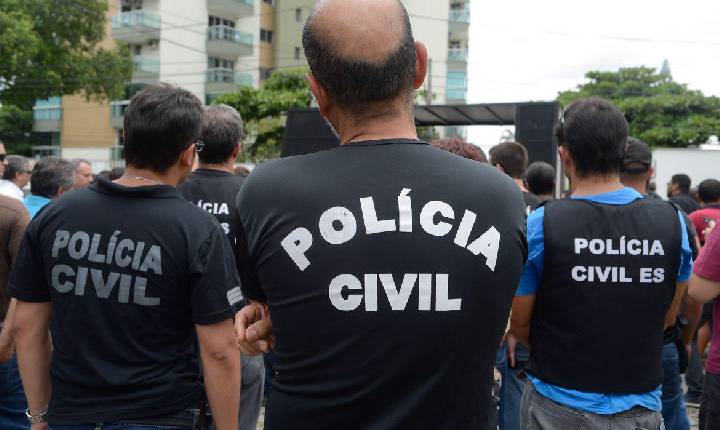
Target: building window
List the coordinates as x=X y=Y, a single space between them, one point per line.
x=130 y=5
x=297 y=53
x=265 y=73
x=266 y=35
x=220 y=63
x=270 y=2
x=137 y=49
x=215 y=21
x=298 y=15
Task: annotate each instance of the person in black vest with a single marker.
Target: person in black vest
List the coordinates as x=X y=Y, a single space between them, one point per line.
x=214 y=187
x=678 y=191
x=388 y=266
x=138 y=283
x=606 y=273
x=636 y=171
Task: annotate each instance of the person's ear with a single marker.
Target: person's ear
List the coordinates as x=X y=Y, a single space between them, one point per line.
x=325 y=103
x=650 y=172
x=565 y=158
x=236 y=152
x=499 y=168
x=187 y=156
x=421 y=64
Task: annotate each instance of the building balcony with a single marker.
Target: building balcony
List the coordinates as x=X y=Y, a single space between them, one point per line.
x=137 y=26
x=231 y=9
x=226 y=42
x=117 y=112
x=47 y=115
x=460 y=16
x=457 y=55
x=221 y=81
x=146 y=70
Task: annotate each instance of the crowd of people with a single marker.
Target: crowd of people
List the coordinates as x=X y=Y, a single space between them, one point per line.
x=397 y=284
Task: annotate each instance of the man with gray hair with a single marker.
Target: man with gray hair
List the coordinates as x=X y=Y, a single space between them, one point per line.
x=214 y=187
x=83 y=172
x=51 y=178
x=15 y=177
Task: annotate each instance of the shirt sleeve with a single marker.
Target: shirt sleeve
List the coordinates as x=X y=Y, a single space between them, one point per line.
x=686 y=255
x=215 y=284
x=708 y=263
x=532 y=273
x=16 y=233
x=27 y=279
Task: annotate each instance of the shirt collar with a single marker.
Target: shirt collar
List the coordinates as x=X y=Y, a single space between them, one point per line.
x=622 y=196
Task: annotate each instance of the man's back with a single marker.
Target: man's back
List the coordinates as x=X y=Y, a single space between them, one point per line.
x=127 y=288
x=214 y=191
x=389 y=267
x=686 y=203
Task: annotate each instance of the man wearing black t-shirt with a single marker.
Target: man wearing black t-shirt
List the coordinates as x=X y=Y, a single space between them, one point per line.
x=214 y=187
x=136 y=280
x=387 y=265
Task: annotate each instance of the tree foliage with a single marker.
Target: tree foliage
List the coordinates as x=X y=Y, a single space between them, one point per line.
x=264 y=111
x=659 y=110
x=50 y=48
x=15 y=126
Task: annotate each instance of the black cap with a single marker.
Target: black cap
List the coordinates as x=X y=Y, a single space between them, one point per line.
x=638 y=152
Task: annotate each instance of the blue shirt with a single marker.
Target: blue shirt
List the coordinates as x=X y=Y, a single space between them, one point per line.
x=34 y=203
x=596 y=403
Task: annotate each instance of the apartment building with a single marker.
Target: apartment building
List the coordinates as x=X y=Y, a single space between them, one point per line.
x=209 y=47
x=213 y=47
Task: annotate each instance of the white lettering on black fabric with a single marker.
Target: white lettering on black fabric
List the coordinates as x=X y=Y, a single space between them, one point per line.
x=102 y=255
x=617 y=274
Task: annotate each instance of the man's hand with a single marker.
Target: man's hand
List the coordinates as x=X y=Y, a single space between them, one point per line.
x=253 y=329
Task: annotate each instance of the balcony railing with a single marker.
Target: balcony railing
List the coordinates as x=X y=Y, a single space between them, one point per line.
x=224 y=32
x=47 y=113
x=136 y=18
x=460 y=15
x=458 y=55
x=228 y=76
x=146 y=64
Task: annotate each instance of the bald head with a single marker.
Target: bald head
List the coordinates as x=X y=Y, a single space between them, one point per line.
x=361 y=51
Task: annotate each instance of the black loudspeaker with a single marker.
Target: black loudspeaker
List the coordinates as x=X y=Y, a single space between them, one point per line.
x=306 y=131
x=534 y=124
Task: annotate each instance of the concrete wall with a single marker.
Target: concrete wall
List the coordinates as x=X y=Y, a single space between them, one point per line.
x=267 y=21
x=250 y=64
x=430 y=26
x=183 y=59
x=288 y=31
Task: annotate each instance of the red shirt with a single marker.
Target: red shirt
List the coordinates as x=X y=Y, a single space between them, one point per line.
x=699 y=216
x=708 y=266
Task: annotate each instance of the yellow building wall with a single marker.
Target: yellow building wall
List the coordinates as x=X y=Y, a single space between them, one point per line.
x=87 y=123
x=267 y=21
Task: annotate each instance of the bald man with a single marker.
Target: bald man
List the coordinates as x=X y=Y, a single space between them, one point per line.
x=388 y=266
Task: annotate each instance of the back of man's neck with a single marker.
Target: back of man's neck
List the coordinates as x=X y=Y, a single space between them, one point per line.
x=229 y=168
x=597 y=185
x=396 y=127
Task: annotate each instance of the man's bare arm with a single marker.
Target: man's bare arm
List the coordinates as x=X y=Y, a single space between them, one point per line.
x=692 y=311
x=703 y=290
x=7 y=343
x=221 y=368
x=672 y=313
x=33 y=348
x=521 y=317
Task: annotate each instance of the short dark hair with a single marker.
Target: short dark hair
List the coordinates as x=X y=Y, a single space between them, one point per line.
x=595 y=133
x=50 y=175
x=15 y=164
x=540 y=178
x=459 y=147
x=222 y=130
x=512 y=157
x=160 y=122
x=354 y=83
x=709 y=191
x=682 y=180
x=116 y=173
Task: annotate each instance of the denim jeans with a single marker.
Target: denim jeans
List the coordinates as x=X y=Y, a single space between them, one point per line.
x=673 y=404
x=12 y=398
x=511 y=387
x=694 y=374
x=540 y=413
x=251 y=391
x=710 y=406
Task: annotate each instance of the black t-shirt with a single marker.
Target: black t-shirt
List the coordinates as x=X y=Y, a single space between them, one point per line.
x=214 y=191
x=129 y=271
x=389 y=268
x=686 y=203
x=531 y=202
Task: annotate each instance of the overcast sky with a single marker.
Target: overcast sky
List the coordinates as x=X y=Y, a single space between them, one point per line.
x=522 y=50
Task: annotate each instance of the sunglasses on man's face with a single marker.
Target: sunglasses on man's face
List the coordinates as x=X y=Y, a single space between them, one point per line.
x=2 y=157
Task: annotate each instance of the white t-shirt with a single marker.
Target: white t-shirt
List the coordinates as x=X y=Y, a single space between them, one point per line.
x=8 y=188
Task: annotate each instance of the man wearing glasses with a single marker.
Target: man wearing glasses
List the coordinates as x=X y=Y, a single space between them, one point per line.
x=15 y=177
x=134 y=279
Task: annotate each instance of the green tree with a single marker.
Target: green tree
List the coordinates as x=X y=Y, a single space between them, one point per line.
x=659 y=110
x=15 y=126
x=264 y=111
x=50 y=48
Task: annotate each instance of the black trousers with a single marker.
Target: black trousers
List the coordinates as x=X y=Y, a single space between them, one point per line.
x=710 y=405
